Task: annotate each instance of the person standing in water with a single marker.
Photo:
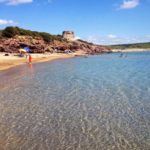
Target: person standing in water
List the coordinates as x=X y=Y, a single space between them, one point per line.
x=30 y=59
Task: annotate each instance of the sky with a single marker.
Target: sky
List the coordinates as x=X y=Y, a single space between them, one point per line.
x=99 y=21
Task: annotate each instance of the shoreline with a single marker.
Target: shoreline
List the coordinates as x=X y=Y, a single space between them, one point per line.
x=131 y=50
x=7 y=62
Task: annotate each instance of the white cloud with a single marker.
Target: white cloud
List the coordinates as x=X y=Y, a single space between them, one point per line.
x=15 y=2
x=6 y=22
x=111 y=40
x=112 y=36
x=94 y=39
x=77 y=38
x=129 y=4
x=104 y=40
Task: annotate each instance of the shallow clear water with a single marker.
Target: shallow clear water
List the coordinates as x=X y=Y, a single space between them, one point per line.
x=95 y=103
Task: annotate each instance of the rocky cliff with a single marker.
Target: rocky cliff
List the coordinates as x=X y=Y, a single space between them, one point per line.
x=14 y=38
x=38 y=45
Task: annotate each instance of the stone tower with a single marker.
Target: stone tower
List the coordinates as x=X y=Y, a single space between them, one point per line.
x=69 y=35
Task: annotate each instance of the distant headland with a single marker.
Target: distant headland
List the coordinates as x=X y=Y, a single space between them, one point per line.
x=138 y=47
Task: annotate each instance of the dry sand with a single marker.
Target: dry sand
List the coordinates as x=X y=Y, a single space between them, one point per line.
x=12 y=60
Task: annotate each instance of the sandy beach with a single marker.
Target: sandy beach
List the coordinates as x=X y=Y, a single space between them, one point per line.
x=130 y=50
x=13 y=60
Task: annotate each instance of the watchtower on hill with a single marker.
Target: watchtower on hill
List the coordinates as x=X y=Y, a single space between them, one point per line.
x=69 y=35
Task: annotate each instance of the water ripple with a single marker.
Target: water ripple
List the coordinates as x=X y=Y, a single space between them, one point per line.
x=101 y=102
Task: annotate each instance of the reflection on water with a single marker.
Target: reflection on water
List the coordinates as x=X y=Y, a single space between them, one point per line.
x=101 y=102
x=12 y=75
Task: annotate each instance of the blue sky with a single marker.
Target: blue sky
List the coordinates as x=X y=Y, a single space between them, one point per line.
x=98 y=21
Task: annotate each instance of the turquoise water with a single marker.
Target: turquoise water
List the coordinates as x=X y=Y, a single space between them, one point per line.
x=95 y=103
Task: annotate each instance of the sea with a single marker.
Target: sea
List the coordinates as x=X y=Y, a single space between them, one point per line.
x=101 y=102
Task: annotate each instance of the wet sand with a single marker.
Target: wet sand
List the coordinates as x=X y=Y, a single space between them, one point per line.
x=10 y=61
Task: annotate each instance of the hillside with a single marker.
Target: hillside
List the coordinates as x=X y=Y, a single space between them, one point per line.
x=14 y=38
x=131 y=46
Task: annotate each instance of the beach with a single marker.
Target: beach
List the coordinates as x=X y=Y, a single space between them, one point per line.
x=130 y=50
x=13 y=60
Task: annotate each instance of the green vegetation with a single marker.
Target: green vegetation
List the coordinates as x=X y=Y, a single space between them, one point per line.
x=10 y=32
x=85 y=42
x=0 y=33
x=130 y=46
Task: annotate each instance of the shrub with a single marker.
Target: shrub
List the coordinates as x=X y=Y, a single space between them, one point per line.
x=85 y=42
x=10 y=32
x=46 y=36
x=0 y=33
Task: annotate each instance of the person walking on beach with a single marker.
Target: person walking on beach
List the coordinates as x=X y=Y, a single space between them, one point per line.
x=30 y=59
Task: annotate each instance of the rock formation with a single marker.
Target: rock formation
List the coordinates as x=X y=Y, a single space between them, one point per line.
x=38 y=45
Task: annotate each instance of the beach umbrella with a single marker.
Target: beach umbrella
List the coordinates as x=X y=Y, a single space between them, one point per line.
x=27 y=49
x=21 y=50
